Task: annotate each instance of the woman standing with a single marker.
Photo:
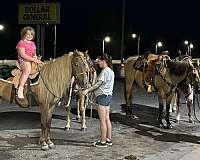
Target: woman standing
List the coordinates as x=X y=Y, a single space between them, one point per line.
x=103 y=91
x=26 y=50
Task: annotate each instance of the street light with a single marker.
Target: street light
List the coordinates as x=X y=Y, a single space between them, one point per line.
x=191 y=47
x=186 y=42
x=158 y=45
x=134 y=36
x=1 y=27
x=106 y=39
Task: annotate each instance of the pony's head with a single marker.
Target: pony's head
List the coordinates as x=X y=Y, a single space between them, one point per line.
x=80 y=69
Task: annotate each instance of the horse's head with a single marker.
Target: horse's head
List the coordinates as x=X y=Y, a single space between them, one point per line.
x=89 y=61
x=193 y=78
x=80 y=69
x=161 y=62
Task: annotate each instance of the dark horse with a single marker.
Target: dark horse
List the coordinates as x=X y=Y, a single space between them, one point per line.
x=187 y=89
x=169 y=74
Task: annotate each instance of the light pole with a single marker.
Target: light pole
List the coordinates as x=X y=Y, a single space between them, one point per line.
x=158 y=45
x=191 y=46
x=186 y=42
x=134 y=36
x=106 y=39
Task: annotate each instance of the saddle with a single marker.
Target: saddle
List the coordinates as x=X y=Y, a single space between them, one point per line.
x=35 y=68
x=140 y=63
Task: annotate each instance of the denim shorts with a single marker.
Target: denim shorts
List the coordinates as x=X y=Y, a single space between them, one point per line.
x=104 y=100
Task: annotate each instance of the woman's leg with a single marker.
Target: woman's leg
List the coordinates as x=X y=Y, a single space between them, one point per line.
x=26 y=70
x=108 y=123
x=103 y=126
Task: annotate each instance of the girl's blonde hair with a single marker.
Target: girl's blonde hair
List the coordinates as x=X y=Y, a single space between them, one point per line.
x=24 y=31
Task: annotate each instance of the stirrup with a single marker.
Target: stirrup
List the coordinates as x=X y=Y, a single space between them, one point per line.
x=20 y=93
x=149 y=90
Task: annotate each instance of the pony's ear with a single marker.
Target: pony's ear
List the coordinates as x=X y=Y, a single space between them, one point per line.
x=86 y=52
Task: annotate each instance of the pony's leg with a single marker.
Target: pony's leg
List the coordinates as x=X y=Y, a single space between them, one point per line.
x=68 y=125
x=78 y=101
x=190 y=105
x=48 y=137
x=128 y=95
x=173 y=104
x=160 y=111
x=44 y=131
x=82 y=109
x=168 y=100
x=178 y=114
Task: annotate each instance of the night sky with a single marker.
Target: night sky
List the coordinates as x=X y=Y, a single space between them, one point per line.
x=84 y=23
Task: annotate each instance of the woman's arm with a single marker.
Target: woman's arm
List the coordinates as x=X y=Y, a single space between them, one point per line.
x=92 y=88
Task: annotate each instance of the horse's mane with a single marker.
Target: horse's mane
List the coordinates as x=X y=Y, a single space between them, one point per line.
x=177 y=67
x=57 y=74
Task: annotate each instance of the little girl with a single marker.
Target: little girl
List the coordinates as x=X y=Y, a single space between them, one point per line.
x=26 y=50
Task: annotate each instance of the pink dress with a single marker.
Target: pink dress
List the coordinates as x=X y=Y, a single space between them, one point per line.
x=30 y=49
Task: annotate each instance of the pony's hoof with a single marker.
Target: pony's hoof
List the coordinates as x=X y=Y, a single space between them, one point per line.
x=83 y=129
x=51 y=145
x=67 y=128
x=45 y=147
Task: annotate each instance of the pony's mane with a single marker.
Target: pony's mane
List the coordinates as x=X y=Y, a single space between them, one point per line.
x=57 y=74
x=177 y=67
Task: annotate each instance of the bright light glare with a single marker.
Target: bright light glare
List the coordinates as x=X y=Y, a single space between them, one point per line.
x=107 y=39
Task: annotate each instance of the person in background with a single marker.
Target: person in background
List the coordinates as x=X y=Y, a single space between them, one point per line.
x=103 y=90
x=26 y=50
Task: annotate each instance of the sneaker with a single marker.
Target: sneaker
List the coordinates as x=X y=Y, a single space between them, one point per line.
x=100 y=144
x=109 y=142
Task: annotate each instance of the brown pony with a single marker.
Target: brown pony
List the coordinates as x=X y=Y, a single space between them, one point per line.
x=82 y=100
x=54 y=79
x=169 y=75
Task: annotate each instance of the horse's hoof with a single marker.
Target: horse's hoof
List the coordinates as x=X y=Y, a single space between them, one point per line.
x=169 y=126
x=51 y=145
x=191 y=121
x=67 y=128
x=45 y=147
x=161 y=125
x=177 y=121
x=83 y=129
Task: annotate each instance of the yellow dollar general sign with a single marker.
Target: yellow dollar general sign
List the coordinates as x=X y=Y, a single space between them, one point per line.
x=39 y=13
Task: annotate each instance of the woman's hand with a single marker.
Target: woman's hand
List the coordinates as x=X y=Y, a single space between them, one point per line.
x=84 y=92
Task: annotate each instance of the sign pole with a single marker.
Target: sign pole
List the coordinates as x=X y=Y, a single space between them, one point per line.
x=42 y=39
x=38 y=40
